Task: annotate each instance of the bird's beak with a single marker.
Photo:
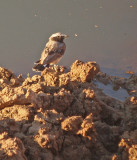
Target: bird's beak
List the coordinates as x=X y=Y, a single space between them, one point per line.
x=65 y=36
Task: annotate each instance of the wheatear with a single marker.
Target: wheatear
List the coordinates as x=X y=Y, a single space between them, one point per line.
x=52 y=53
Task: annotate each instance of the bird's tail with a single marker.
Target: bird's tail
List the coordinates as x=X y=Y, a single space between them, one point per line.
x=37 y=62
x=38 y=68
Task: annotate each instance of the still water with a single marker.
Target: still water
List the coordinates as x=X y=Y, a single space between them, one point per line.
x=100 y=30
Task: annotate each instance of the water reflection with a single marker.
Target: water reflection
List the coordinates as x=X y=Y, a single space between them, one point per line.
x=103 y=31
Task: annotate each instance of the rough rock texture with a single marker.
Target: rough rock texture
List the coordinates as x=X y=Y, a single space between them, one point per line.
x=62 y=115
x=11 y=148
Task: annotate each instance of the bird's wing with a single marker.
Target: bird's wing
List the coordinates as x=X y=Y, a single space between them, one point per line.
x=44 y=55
x=51 y=53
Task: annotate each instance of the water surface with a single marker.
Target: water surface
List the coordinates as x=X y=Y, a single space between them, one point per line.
x=100 y=30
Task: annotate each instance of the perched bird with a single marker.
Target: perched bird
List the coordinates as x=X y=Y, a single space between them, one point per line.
x=52 y=53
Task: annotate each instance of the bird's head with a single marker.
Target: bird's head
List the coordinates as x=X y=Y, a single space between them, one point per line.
x=59 y=37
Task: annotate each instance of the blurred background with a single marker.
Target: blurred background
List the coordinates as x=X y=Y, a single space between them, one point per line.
x=100 y=30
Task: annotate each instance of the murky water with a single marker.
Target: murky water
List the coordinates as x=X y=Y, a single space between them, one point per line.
x=106 y=32
x=120 y=94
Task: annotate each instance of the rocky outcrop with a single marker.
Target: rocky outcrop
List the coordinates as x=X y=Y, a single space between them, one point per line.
x=62 y=115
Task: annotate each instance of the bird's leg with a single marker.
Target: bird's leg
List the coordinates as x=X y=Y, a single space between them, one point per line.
x=53 y=66
x=56 y=67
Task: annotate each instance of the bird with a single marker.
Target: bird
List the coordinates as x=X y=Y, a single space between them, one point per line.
x=52 y=53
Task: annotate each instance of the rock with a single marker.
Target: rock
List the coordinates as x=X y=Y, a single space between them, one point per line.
x=10 y=96
x=128 y=145
x=52 y=140
x=72 y=124
x=133 y=100
x=84 y=72
x=9 y=78
x=61 y=115
x=87 y=128
x=61 y=98
x=11 y=148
